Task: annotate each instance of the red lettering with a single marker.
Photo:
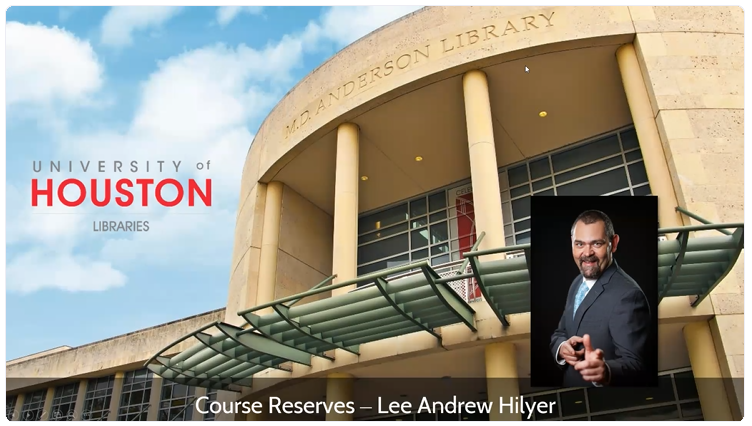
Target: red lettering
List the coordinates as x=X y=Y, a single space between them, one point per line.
x=36 y=192
x=158 y=192
x=128 y=196
x=144 y=190
x=193 y=188
x=106 y=200
x=61 y=192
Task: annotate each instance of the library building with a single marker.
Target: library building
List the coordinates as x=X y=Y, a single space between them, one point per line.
x=383 y=230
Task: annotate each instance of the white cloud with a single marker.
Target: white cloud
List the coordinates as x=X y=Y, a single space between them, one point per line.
x=39 y=269
x=226 y=14
x=195 y=106
x=345 y=24
x=45 y=64
x=181 y=236
x=121 y=22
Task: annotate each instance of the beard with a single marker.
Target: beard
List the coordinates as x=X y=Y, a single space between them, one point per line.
x=591 y=271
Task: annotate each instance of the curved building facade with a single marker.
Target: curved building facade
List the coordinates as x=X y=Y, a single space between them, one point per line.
x=372 y=182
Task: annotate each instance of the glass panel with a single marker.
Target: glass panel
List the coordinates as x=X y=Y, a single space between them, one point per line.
x=540 y=168
x=573 y=403
x=578 y=419
x=509 y=241
x=381 y=249
x=543 y=183
x=505 y=196
x=418 y=207
x=439 y=260
x=419 y=238
x=437 y=201
x=596 y=185
x=643 y=190
x=523 y=238
x=420 y=254
x=629 y=139
x=438 y=216
x=650 y=414
x=447 y=417
x=384 y=264
x=585 y=154
x=637 y=173
x=522 y=226
x=382 y=233
x=382 y=219
x=685 y=385
x=506 y=212
x=606 y=399
x=551 y=400
x=548 y=192
x=440 y=249
x=520 y=190
x=518 y=175
x=503 y=180
x=439 y=232
x=508 y=230
x=417 y=223
x=691 y=409
x=633 y=155
x=587 y=170
x=622 y=193
x=521 y=207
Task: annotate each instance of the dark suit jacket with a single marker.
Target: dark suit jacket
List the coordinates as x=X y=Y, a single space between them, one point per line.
x=616 y=315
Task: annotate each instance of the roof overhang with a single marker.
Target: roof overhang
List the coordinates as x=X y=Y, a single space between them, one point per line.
x=408 y=299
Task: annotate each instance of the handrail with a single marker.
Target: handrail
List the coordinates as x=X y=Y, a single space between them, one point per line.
x=704 y=227
x=700 y=219
x=473 y=248
x=367 y=277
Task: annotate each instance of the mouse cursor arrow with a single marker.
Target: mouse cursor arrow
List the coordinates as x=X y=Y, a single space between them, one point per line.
x=527 y=70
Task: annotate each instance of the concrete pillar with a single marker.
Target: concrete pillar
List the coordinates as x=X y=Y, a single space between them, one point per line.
x=345 y=249
x=339 y=388
x=501 y=379
x=646 y=128
x=117 y=390
x=48 y=404
x=80 y=398
x=19 y=406
x=484 y=170
x=155 y=397
x=198 y=416
x=267 y=280
x=707 y=372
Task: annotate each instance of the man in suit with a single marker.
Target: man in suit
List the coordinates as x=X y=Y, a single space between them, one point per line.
x=604 y=332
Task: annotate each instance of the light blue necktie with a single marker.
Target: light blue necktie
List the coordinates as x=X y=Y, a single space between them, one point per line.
x=581 y=293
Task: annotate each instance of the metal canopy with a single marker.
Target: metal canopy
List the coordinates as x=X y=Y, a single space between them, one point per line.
x=407 y=299
x=686 y=267
x=391 y=304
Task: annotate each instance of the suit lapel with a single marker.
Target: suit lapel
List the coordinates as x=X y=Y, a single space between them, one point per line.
x=593 y=294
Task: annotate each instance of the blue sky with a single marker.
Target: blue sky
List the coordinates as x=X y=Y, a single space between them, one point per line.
x=135 y=83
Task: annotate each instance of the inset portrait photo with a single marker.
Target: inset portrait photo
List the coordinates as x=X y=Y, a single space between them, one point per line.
x=594 y=291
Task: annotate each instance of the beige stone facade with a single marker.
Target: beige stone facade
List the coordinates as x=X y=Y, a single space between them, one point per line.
x=449 y=85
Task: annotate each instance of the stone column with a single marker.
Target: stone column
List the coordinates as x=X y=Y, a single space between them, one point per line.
x=647 y=133
x=345 y=250
x=484 y=170
x=707 y=372
x=48 y=404
x=339 y=388
x=502 y=380
x=269 y=245
x=117 y=390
